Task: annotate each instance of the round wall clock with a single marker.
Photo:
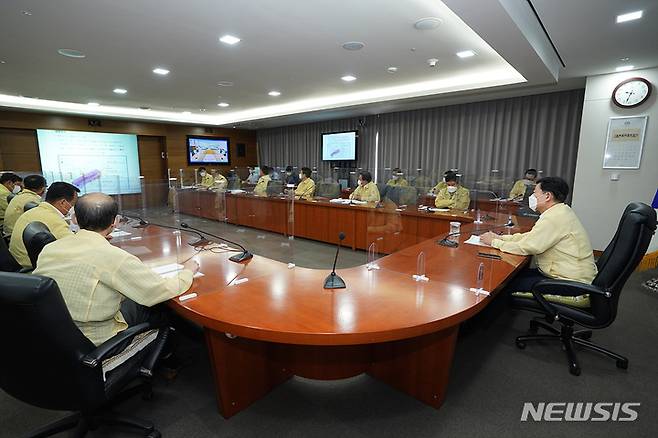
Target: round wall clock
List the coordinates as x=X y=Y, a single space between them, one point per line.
x=631 y=92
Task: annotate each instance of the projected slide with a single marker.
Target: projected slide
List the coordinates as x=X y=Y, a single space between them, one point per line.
x=207 y=150
x=92 y=161
x=339 y=146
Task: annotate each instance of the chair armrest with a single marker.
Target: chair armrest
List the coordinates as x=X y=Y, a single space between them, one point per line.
x=568 y=288
x=96 y=357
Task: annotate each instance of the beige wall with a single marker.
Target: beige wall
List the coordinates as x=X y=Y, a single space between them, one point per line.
x=597 y=200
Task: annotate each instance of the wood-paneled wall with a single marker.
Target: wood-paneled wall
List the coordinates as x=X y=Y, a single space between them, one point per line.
x=19 y=150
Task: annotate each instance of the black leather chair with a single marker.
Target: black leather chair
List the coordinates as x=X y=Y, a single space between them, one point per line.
x=7 y=262
x=29 y=206
x=618 y=261
x=49 y=363
x=10 y=197
x=36 y=236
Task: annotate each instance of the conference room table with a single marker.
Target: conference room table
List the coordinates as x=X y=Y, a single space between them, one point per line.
x=265 y=322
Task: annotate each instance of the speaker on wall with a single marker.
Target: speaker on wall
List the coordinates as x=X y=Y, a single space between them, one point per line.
x=242 y=150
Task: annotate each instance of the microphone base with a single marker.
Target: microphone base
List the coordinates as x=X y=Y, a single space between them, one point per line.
x=333 y=281
x=246 y=255
x=200 y=242
x=141 y=225
x=447 y=242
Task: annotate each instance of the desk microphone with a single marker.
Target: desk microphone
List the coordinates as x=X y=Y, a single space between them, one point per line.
x=142 y=223
x=333 y=281
x=244 y=255
x=452 y=244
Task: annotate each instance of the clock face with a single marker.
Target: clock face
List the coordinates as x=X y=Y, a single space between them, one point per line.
x=631 y=92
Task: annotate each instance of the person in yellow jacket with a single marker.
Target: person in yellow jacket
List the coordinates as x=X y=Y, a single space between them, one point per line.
x=442 y=184
x=453 y=195
x=207 y=180
x=263 y=181
x=35 y=186
x=520 y=186
x=558 y=241
x=398 y=179
x=9 y=184
x=219 y=181
x=105 y=288
x=60 y=199
x=306 y=187
x=366 y=190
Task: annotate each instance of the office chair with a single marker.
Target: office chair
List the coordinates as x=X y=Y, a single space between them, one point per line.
x=7 y=262
x=29 y=206
x=10 y=197
x=274 y=188
x=36 y=236
x=52 y=365
x=618 y=261
x=329 y=190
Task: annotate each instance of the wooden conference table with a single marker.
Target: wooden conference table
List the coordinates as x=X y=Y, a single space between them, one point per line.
x=265 y=323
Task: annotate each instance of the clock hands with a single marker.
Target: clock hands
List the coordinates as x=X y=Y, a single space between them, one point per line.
x=630 y=93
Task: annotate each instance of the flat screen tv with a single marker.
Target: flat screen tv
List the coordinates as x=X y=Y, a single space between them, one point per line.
x=207 y=150
x=339 y=146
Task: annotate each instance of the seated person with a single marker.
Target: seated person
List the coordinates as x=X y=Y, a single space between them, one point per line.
x=263 y=181
x=306 y=187
x=521 y=186
x=219 y=181
x=35 y=186
x=9 y=183
x=105 y=288
x=442 y=184
x=366 y=189
x=60 y=199
x=397 y=179
x=558 y=242
x=233 y=179
x=206 y=180
x=254 y=175
x=453 y=195
x=290 y=177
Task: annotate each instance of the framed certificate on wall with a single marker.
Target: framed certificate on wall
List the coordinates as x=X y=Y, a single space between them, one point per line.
x=624 y=141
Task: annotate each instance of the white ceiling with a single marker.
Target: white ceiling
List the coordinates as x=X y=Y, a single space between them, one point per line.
x=294 y=46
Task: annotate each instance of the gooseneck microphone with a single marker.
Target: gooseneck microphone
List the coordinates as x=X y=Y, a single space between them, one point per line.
x=333 y=281
x=142 y=223
x=244 y=255
x=445 y=241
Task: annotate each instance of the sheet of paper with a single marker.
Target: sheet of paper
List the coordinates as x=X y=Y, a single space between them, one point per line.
x=163 y=269
x=119 y=233
x=474 y=240
x=438 y=209
x=175 y=273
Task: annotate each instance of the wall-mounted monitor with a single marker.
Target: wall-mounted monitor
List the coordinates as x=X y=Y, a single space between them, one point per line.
x=91 y=161
x=339 y=146
x=207 y=150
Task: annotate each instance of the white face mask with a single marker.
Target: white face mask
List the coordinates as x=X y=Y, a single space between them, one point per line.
x=452 y=189
x=532 y=202
x=301 y=176
x=202 y=173
x=16 y=189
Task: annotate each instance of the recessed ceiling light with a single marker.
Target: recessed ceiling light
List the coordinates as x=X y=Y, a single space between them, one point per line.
x=26 y=13
x=145 y=108
x=120 y=90
x=224 y=84
x=2 y=61
x=161 y=71
x=349 y=78
x=274 y=93
x=392 y=69
x=187 y=113
x=203 y=110
x=636 y=15
x=71 y=53
x=223 y=104
x=353 y=45
x=625 y=68
x=428 y=23
x=465 y=54
x=93 y=104
x=625 y=59
x=229 y=39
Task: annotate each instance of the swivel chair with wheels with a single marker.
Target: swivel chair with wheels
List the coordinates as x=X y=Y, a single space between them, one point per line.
x=618 y=261
x=49 y=363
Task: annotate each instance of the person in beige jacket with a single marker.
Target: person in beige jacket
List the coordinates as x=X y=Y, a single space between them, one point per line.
x=366 y=189
x=105 y=288
x=35 y=187
x=60 y=199
x=558 y=241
